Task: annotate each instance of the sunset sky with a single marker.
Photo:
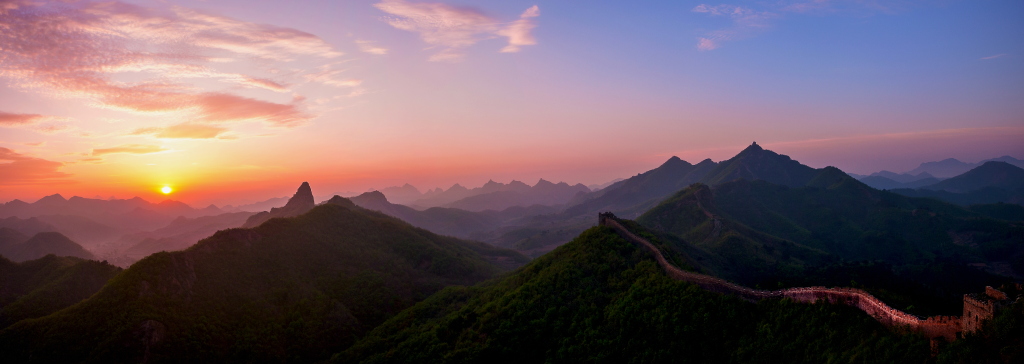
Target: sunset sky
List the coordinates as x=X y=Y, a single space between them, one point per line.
x=238 y=101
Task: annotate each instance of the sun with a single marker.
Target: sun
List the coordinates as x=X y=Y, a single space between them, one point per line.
x=166 y=189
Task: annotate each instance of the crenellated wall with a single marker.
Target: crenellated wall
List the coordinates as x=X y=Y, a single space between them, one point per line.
x=933 y=327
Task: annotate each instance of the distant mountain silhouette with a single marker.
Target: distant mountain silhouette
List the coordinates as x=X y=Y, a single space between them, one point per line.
x=179 y=234
x=886 y=180
x=405 y=195
x=29 y=226
x=448 y=221
x=992 y=182
x=264 y=205
x=950 y=167
x=636 y=194
x=37 y=288
x=500 y=196
x=97 y=208
x=42 y=244
x=601 y=186
x=901 y=177
x=990 y=174
x=289 y=290
x=300 y=202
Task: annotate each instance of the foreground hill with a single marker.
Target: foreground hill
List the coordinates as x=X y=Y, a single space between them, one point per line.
x=600 y=299
x=289 y=290
x=37 y=288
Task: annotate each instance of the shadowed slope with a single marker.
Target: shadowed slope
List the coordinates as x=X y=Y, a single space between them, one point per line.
x=37 y=288
x=289 y=290
x=601 y=299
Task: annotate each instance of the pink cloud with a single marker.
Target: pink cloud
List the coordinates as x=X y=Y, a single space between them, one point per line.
x=994 y=56
x=455 y=28
x=18 y=169
x=519 y=32
x=9 y=119
x=371 y=48
x=215 y=107
x=76 y=50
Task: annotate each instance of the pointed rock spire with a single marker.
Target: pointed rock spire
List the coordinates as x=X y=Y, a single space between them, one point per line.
x=301 y=202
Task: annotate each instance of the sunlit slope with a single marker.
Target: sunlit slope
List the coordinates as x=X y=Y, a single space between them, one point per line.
x=289 y=290
x=601 y=299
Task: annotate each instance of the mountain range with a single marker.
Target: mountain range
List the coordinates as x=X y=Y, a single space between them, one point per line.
x=492 y=195
x=350 y=281
x=290 y=289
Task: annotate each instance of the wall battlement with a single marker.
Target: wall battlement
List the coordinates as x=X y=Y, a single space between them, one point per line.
x=977 y=307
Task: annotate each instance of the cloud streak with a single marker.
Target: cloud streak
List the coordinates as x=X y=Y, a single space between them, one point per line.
x=9 y=119
x=183 y=131
x=18 y=169
x=129 y=149
x=454 y=28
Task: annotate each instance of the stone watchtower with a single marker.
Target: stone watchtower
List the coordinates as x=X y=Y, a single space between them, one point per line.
x=980 y=307
x=603 y=217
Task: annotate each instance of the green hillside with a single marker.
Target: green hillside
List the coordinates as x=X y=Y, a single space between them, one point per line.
x=913 y=253
x=290 y=290
x=600 y=299
x=37 y=288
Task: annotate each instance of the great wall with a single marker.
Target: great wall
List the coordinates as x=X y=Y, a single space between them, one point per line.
x=976 y=310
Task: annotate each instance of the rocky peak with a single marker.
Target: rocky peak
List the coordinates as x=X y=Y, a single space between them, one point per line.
x=301 y=202
x=302 y=199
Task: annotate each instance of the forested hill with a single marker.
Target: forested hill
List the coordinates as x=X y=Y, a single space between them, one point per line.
x=290 y=290
x=601 y=299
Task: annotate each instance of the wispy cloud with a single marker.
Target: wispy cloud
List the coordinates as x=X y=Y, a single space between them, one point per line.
x=746 y=21
x=130 y=149
x=454 y=28
x=87 y=50
x=995 y=56
x=183 y=131
x=371 y=48
x=760 y=16
x=519 y=32
x=18 y=169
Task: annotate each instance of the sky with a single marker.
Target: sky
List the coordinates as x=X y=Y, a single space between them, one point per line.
x=230 y=102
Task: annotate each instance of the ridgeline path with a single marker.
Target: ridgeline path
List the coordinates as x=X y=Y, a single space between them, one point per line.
x=932 y=327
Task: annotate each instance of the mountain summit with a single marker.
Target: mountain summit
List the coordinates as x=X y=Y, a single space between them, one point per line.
x=301 y=202
x=757 y=163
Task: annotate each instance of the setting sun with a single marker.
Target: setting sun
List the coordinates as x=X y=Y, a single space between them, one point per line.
x=166 y=189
